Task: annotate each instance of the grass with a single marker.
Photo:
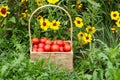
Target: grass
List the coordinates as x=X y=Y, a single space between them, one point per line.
x=98 y=60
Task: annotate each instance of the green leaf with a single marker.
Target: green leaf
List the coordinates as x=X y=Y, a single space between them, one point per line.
x=4 y=69
x=12 y=19
x=95 y=75
x=88 y=76
x=116 y=74
x=4 y=21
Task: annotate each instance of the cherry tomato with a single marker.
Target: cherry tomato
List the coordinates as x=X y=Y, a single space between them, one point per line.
x=35 y=45
x=67 y=47
x=43 y=40
x=49 y=42
x=34 y=49
x=40 y=50
x=41 y=45
x=60 y=42
x=55 y=41
x=35 y=41
x=55 y=48
x=47 y=48
x=61 y=49
x=66 y=43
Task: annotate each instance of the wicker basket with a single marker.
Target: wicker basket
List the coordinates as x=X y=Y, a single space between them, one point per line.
x=62 y=59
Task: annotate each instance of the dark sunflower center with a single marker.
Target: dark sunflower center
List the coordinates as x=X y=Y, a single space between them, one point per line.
x=39 y=18
x=54 y=24
x=81 y=34
x=3 y=10
x=78 y=22
x=114 y=15
x=87 y=38
x=90 y=29
x=39 y=2
x=44 y=23
x=79 y=4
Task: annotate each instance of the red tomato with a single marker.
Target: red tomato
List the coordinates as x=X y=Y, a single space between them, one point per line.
x=40 y=50
x=55 y=48
x=34 y=49
x=60 y=42
x=54 y=42
x=67 y=47
x=49 y=42
x=43 y=40
x=61 y=49
x=35 y=41
x=41 y=45
x=47 y=48
x=35 y=45
x=66 y=43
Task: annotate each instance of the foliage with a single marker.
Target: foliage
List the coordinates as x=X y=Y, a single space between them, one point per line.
x=96 y=55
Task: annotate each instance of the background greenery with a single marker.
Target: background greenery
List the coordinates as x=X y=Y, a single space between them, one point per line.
x=99 y=60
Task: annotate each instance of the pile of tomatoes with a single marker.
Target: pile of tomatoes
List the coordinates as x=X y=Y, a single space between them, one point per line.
x=46 y=45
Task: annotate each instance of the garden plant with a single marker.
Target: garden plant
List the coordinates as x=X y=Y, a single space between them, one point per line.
x=96 y=39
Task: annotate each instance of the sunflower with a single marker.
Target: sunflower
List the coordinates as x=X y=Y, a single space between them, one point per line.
x=44 y=24
x=55 y=25
x=39 y=2
x=80 y=35
x=87 y=38
x=90 y=29
x=114 y=30
x=79 y=5
x=25 y=14
x=114 y=15
x=118 y=22
x=39 y=18
x=3 y=11
x=52 y=1
x=78 y=22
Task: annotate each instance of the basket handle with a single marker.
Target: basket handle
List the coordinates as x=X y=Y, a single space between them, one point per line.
x=45 y=7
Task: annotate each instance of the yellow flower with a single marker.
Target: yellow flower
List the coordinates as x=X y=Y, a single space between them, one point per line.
x=114 y=15
x=44 y=24
x=79 y=5
x=25 y=14
x=39 y=2
x=80 y=35
x=114 y=30
x=78 y=22
x=39 y=18
x=87 y=38
x=52 y=1
x=3 y=11
x=118 y=22
x=90 y=29
x=24 y=1
x=55 y=25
